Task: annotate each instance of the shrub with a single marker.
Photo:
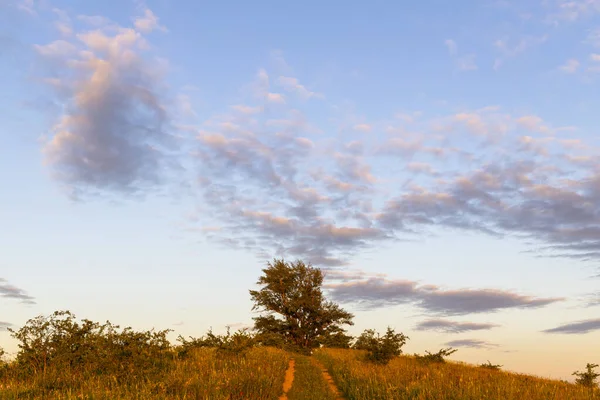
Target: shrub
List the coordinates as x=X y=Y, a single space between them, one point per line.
x=337 y=340
x=381 y=349
x=489 y=365
x=61 y=343
x=237 y=343
x=587 y=378
x=435 y=357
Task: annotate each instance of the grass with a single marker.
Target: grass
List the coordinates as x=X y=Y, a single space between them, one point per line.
x=203 y=375
x=308 y=382
x=405 y=378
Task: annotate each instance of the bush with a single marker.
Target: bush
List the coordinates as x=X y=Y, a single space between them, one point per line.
x=381 y=349
x=435 y=357
x=489 y=365
x=337 y=340
x=237 y=343
x=587 y=378
x=61 y=343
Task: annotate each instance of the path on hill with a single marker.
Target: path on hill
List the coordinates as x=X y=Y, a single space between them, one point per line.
x=328 y=379
x=307 y=379
x=289 y=380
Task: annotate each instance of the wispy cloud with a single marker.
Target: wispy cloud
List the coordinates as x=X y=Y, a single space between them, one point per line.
x=293 y=85
x=576 y=328
x=4 y=326
x=510 y=48
x=466 y=62
x=473 y=343
x=114 y=130
x=148 y=22
x=9 y=291
x=376 y=292
x=447 y=326
x=570 y=67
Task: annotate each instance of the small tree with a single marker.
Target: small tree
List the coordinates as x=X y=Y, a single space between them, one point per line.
x=436 y=357
x=587 y=378
x=381 y=349
x=489 y=365
x=339 y=340
x=294 y=305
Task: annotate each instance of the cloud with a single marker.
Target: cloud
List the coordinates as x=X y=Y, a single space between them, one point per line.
x=443 y=325
x=572 y=10
x=63 y=25
x=293 y=85
x=463 y=63
x=275 y=98
x=148 y=22
x=509 y=48
x=58 y=48
x=576 y=328
x=452 y=46
x=362 y=127
x=26 y=5
x=4 y=325
x=376 y=292
x=113 y=135
x=9 y=291
x=570 y=67
x=473 y=343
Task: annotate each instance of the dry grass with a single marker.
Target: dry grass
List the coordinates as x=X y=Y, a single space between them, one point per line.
x=406 y=378
x=203 y=375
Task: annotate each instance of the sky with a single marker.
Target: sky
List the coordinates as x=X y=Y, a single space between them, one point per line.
x=437 y=160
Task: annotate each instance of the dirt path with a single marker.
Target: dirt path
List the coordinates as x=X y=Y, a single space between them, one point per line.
x=328 y=379
x=289 y=379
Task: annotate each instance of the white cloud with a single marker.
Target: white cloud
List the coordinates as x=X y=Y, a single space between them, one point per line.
x=465 y=62
x=293 y=85
x=275 y=98
x=362 y=127
x=148 y=22
x=112 y=134
x=58 y=48
x=452 y=47
x=570 y=67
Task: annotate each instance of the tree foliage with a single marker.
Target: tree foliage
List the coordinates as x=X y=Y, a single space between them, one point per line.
x=61 y=342
x=381 y=349
x=587 y=378
x=237 y=343
x=438 y=357
x=294 y=307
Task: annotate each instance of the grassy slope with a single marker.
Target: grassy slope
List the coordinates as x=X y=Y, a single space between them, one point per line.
x=406 y=378
x=205 y=375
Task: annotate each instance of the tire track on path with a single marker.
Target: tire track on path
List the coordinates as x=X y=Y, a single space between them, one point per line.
x=328 y=379
x=289 y=380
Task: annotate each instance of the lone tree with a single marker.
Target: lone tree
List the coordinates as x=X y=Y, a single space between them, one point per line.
x=587 y=378
x=294 y=307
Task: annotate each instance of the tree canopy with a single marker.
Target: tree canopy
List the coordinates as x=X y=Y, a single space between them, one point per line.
x=294 y=307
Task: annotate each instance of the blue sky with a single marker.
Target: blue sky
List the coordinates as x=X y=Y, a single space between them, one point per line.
x=437 y=160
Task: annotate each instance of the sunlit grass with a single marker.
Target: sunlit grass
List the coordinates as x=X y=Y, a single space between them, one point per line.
x=203 y=375
x=406 y=378
x=308 y=382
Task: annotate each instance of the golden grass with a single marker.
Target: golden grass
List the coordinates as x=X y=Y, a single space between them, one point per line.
x=203 y=375
x=406 y=378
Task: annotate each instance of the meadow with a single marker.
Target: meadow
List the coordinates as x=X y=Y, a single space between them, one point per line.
x=258 y=373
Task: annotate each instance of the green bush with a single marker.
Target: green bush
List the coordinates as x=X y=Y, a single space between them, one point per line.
x=587 y=378
x=237 y=343
x=435 y=357
x=489 y=365
x=381 y=349
x=61 y=343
